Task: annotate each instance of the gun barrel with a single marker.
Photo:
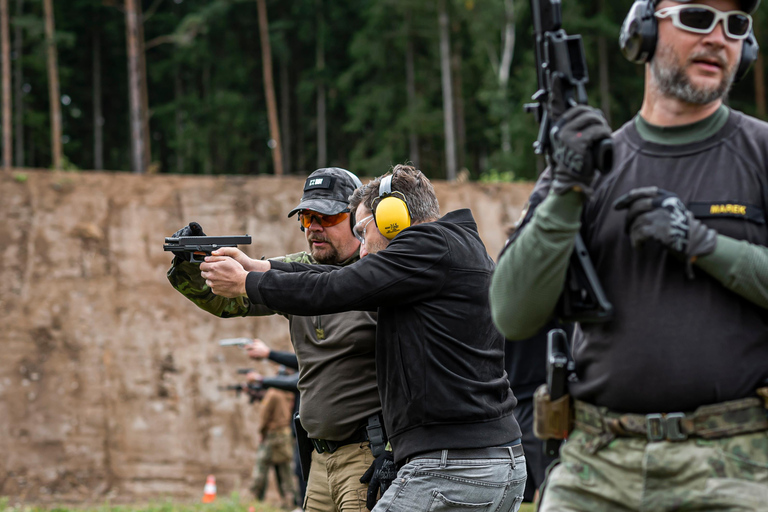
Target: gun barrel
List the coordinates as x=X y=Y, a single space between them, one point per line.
x=235 y=342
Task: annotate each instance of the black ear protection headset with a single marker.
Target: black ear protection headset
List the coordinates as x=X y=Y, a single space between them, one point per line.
x=390 y=210
x=639 y=33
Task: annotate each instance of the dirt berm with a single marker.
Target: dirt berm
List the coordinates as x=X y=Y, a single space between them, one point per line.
x=108 y=377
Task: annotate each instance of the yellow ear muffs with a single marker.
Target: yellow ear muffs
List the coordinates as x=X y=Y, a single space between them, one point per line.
x=391 y=212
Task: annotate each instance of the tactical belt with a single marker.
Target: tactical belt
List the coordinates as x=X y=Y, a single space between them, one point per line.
x=725 y=419
x=372 y=431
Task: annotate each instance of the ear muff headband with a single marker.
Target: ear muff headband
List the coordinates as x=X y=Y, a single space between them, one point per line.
x=391 y=212
x=640 y=31
x=358 y=184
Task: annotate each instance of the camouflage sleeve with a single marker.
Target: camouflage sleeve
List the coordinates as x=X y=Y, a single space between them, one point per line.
x=185 y=277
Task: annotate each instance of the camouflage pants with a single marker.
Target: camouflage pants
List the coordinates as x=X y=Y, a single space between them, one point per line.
x=275 y=450
x=632 y=474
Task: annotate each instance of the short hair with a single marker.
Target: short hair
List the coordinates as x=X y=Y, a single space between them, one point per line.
x=412 y=184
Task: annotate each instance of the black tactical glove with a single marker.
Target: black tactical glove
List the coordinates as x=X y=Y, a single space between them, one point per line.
x=193 y=229
x=379 y=477
x=659 y=215
x=574 y=137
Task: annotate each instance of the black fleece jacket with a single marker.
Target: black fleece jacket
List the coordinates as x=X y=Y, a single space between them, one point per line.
x=439 y=358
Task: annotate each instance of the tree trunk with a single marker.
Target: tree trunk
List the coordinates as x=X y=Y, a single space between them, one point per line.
x=18 y=92
x=54 y=96
x=285 y=114
x=759 y=71
x=98 y=117
x=448 y=113
x=410 y=86
x=134 y=86
x=322 y=145
x=207 y=99
x=504 y=67
x=178 y=92
x=5 y=45
x=269 y=88
x=147 y=157
x=605 y=79
x=461 y=131
x=301 y=144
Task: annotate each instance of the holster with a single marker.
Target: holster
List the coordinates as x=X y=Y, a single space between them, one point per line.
x=763 y=393
x=305 y=447
x=551 y=419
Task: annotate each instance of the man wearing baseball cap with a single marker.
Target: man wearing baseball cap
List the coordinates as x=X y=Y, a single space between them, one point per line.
x=670 y=395
x=340 y=407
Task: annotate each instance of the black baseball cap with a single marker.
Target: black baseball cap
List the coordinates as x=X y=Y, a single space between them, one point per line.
x=748 y=6
x=327 y=191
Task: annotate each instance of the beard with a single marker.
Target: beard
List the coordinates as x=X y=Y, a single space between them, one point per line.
x=327 y=255
x=673 y=81
x=376 y=244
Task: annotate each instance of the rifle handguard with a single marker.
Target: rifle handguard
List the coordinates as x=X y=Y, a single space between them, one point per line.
x=551 y=419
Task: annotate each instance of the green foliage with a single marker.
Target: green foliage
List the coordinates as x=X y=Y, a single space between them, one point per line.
x=208 y=111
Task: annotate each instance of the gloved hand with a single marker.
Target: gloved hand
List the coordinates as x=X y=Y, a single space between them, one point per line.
x=379 y=477
x=193 y=229
x=574 y=137
x=656 y=214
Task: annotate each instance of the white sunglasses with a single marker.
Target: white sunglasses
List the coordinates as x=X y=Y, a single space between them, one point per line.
x=702 y=19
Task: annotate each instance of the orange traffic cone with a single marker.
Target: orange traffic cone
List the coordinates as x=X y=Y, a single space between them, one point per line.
x=209 y=492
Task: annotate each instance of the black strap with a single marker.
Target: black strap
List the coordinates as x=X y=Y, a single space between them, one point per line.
x=376 y=435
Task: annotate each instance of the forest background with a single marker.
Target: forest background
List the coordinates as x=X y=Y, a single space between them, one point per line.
x=180 y=86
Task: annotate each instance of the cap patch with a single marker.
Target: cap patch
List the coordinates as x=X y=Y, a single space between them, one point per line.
x=320 y=182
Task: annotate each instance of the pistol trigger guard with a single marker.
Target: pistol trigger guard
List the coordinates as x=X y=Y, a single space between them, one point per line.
x=192 y=258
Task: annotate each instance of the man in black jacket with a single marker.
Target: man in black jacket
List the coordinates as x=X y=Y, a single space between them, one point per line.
x=440 y=362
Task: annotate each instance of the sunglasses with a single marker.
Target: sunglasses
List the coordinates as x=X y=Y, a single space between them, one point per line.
x=702 y=19
x=306 y=217
x=359 y=229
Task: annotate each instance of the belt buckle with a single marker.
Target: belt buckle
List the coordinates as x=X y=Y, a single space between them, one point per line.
x=674 y=426
x=660 y=427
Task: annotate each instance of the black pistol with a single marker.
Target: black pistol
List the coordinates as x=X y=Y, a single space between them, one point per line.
x=203 y=246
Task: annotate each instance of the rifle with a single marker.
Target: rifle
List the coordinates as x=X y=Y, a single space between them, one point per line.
x=235 y=342
x=203 y=245
x=255 y=391
x=559 y=368
x=561 y=71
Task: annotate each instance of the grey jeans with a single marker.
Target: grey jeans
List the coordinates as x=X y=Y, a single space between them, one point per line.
x=450 y=483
